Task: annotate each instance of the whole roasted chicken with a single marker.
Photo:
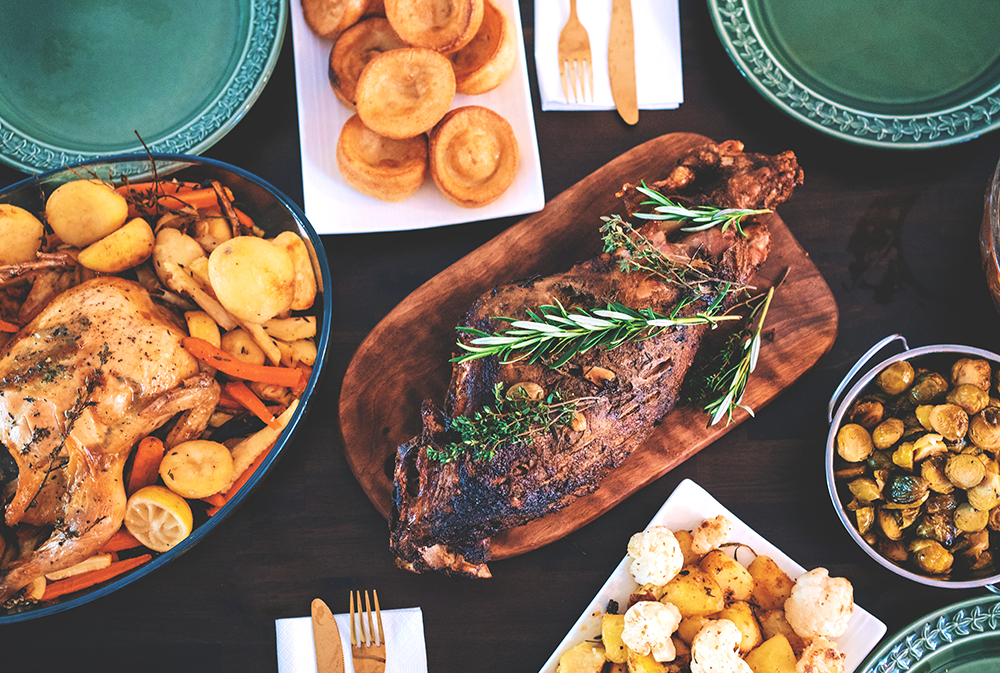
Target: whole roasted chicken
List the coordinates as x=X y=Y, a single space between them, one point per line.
x=99 y=367
x=444 y=512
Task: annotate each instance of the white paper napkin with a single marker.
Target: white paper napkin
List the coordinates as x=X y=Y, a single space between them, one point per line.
x=404 y=633
x=656 y=25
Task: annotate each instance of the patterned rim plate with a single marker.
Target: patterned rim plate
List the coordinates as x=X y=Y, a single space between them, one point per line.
x=962 y=638
x=911 y=74
x=85 y=80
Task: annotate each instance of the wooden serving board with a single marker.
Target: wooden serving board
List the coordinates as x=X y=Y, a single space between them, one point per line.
x=405 y=358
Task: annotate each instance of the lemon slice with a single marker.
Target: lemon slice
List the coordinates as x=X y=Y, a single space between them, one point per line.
x=158 y=517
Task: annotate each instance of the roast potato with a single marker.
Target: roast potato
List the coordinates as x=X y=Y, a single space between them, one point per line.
x=252 y=278
x=21 y=233
x=84 y=211
x=125 y=247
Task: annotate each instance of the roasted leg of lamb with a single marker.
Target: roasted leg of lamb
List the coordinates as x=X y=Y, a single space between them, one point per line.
x=444 y=513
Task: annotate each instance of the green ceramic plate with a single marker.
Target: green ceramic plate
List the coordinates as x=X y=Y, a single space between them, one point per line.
x=962 y=638
x=81 y=79
x=907 y=74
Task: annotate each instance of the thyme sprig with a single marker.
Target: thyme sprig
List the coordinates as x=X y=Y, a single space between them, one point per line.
x=515 y=416
x=555 y=334
x=700 y=217
x=719 y=383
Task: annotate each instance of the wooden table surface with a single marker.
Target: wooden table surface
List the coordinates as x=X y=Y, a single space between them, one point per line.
x=893 y=233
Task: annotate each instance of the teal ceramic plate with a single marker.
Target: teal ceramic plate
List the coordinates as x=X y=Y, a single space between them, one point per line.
x=908 y=74
x=82 y=80
x=962 y=638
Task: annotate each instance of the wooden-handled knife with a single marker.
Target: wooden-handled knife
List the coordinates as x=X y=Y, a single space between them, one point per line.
x=621 y=61
x=326 y=636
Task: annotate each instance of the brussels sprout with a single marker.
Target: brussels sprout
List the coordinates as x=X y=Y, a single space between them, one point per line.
x=927 y=387
x=896 y=378
x=854 y=444
x=867 y=413
x=994 y=521
x=894 y=550
x=932 y=470
x=903 y=456
x=964 y=470
x=971 y=371
x=887 y=433
x=968 y=519
x=971 y=398
x=928 y=445
x=889 y=524
x=923 y=414
x=865 y=490
x=940 y=527
x=906 y=489
x=879 y=461
x=986 y=494
x=949 y=420
x=865 y=517
x=930 y=557
x=984 y=429
x=941 y=502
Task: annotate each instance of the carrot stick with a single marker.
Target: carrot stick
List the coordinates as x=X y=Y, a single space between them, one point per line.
x=244 y=219
x=243 y=478
x=216 y=500
x=227 y=364
x=196 y=198
x=121 y=540
x=85 y=580
x=8 y=326
x=242 y=394
x=146 y=465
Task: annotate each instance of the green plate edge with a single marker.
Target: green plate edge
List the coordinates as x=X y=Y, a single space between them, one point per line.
x=947 y=640
x=752 y=56
x=268 y=19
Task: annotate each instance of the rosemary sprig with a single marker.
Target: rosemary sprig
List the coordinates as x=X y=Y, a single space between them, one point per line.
x=701 y=217
x=556 y=335
x=515 y=416
x=719 y=383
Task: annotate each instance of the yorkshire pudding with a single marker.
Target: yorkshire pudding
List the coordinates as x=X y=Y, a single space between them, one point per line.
x=484 y=63
x=329 y=18
x=352 y=51
x=473 y=156
x=383 y=168
x=405 y=92
x=441 y=25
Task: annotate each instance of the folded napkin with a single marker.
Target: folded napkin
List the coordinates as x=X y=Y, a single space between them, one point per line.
x=656 y=25
x=404 y=634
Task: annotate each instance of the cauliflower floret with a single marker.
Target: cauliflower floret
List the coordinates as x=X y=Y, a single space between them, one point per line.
x=648 y=627
x=820 y=605
x=715 y=649
x=821 y=656
x=656 y=555
x=710 y=534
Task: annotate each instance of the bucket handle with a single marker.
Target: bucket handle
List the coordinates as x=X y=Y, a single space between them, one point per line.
x=862 y=361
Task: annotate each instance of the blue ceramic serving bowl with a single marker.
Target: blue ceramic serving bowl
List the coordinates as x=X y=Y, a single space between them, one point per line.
x=270 y=210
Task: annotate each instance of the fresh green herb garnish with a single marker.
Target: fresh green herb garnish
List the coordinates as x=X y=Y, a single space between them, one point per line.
x=515 y=416
x=718 y=384
x=556 y=335
x=700 y=217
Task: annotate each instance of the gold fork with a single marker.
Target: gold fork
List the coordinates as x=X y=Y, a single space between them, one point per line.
x=574 y=56
x=366 y=655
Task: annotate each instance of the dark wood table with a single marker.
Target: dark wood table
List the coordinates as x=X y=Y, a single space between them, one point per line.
x=893 y=233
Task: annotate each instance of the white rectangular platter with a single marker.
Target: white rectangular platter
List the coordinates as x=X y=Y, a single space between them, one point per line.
x=335 y=208
x=687 y=507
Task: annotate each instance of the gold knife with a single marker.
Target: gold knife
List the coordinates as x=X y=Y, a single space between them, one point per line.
x=326 y=636
x=621 y=61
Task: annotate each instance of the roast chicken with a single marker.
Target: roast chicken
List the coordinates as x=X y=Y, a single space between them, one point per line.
x=444 y=514
x=97 y=369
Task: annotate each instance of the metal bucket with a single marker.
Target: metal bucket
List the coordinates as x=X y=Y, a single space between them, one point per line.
x=840 y=404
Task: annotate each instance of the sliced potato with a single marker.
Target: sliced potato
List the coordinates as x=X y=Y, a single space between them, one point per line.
x=774 y=655
x=611 y=635
x=694 y=592
x=771 y=585
x=84 y=211
x=305 y=277
x=253 y=279
x=21 y=233
x=242 y=346
x=202 y=326
x=735 y=580
x=197 y=468
x=741 y=614
x=126 y=247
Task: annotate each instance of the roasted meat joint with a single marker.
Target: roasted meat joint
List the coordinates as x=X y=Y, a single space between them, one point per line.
x=556 y=380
